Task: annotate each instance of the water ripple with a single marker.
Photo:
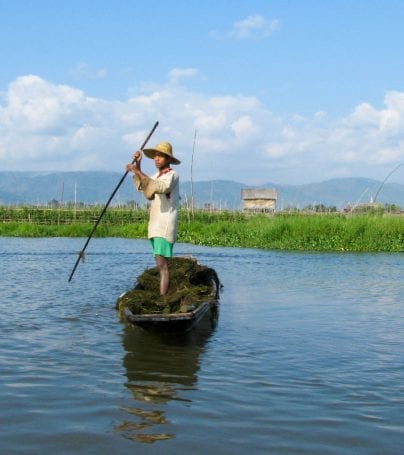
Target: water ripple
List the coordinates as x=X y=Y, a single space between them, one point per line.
x=305 y=355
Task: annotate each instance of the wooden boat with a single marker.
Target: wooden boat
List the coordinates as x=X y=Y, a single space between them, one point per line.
x=172 y=322
x=198 y=297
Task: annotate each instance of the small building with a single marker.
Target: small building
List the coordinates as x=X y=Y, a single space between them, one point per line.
x=259 y=199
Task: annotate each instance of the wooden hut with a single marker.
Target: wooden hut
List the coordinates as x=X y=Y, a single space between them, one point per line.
x=259 y=199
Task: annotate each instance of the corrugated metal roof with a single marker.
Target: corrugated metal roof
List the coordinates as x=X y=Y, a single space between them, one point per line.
x=259 y=193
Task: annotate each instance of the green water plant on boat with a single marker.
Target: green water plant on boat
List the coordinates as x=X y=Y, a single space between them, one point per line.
x=191 y=284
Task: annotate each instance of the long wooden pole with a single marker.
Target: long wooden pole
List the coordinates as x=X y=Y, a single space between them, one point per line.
x=81 y=253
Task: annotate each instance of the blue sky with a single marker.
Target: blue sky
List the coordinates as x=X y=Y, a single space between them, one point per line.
x=277 y=91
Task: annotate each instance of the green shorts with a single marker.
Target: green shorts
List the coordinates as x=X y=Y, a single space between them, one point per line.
x=161 y=247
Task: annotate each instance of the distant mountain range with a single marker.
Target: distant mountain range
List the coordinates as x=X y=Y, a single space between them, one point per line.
x=96 y=187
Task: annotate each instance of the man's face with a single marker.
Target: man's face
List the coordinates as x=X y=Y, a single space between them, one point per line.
x=161 y=161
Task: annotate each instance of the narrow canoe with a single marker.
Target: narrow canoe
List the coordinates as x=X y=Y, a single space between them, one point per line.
x=195 y=293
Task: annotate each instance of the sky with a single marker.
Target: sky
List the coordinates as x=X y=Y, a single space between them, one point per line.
x=254 y=91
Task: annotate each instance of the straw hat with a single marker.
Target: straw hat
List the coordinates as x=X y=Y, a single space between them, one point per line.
x=162 y=147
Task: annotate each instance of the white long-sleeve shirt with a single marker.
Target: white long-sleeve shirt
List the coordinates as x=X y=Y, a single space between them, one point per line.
x=163 y=218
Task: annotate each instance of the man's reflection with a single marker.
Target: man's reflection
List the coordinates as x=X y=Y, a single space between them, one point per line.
x=160 y=368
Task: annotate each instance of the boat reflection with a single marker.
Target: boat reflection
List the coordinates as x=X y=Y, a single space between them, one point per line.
x=160 y=368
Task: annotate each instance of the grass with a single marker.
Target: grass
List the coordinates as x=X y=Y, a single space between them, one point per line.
x=303 y=232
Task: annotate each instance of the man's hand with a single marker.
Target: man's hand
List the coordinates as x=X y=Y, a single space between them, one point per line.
x=137 y=156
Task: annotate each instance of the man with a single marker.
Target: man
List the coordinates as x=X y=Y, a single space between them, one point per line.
x=163 y=190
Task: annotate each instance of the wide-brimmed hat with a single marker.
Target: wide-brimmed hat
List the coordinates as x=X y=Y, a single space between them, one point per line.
x=162 y=147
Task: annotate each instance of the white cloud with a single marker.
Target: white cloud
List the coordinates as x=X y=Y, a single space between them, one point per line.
x=37 y=106
x=83 y=71
x=244 y=127
x=177 y=74
x=253 y=26
x=45 y=126
x=46 y=123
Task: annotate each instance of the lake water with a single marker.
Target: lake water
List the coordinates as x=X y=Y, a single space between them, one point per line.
x=305 y=355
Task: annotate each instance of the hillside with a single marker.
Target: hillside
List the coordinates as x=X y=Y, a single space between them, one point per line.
x=96 y=187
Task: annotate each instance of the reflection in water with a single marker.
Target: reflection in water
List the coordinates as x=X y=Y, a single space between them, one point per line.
x=160 y=368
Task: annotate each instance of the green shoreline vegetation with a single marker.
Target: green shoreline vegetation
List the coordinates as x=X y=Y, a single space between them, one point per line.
x=295 y=231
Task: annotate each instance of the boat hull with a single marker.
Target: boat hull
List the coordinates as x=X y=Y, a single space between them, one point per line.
x=174 y=322
x=194 y=290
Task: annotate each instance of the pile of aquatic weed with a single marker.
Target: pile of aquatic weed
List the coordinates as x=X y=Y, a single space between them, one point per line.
x=190 y=284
